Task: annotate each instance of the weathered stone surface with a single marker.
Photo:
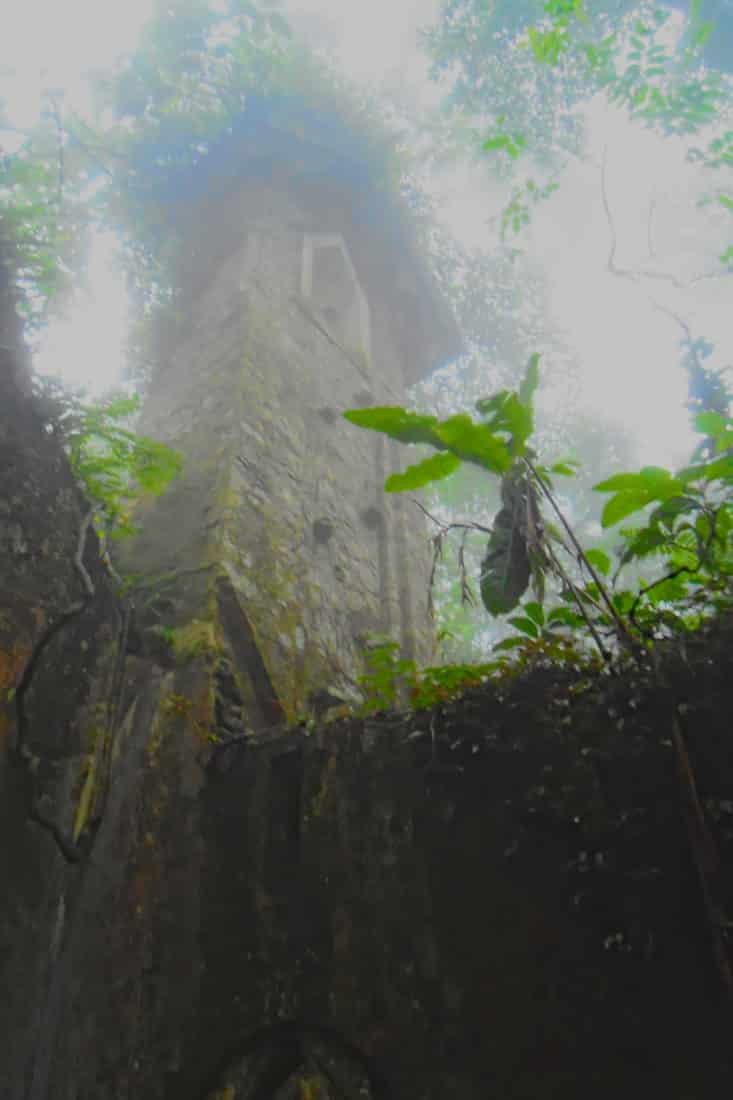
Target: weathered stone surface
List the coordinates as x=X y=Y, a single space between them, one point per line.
x=278 y=490
x=41 y=515
x=492 y=899
x=505 y=909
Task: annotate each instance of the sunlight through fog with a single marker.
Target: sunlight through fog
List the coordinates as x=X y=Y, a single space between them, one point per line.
x=616 y=304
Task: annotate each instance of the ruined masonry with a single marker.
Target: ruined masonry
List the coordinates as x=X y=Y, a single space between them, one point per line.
x=302 y=295
x=494 y=899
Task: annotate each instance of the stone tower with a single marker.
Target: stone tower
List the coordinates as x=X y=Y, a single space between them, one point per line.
x=300 y=295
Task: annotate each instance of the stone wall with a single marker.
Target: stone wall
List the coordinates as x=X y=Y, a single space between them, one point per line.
x=492 y=899
x=278 y=490
x=495 y=898
x=53 y=642
x=481 y=901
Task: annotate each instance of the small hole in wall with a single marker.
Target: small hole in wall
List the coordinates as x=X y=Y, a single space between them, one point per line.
x=322 y=530
x=327 y=414
x=363 y=397
x=361 y=623
x=371 y=518
x=339 y=573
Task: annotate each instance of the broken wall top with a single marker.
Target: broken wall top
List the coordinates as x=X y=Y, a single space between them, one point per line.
x=333 y=176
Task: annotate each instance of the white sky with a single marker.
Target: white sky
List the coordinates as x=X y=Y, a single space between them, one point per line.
x=629 y=349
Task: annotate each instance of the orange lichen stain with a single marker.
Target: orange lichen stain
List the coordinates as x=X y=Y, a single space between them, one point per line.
x=309 y=1088
x=202 y=714
x=178 y=706
x=86 y=797
x=12 y=663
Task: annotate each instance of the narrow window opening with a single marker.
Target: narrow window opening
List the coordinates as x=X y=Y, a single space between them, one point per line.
x=329 y=280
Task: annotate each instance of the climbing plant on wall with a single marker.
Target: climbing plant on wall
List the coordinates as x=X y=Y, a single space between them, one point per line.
x=115 y=465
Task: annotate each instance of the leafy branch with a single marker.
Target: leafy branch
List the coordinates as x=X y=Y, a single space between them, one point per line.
x=113 y=464
x=690 y=524
x=689 y=527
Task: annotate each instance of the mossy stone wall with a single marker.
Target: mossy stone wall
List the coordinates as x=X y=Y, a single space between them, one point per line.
x=278 y=491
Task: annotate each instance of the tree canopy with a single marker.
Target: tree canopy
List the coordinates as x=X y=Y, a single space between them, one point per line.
x=519 y=82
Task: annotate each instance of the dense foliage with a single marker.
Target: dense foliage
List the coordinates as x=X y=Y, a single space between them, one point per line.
x=518 y=79
x=521 y=77
x=114 y=465
x=687 y=525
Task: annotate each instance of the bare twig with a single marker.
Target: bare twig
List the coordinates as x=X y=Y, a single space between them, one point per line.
x=667 y=277
x=636 y=275
x=675 y=317
x=703 y=551
x=622 y=630
x=467 y=596
x=79 y=556
x=21 y=752
x=445 y=527
x=437 y=541
x=579 y=604
x=611 y=262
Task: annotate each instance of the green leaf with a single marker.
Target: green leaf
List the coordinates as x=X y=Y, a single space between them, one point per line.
x=635 y=491
x=726 y=201
x=473 y=442
x=600 y=560
x=510 y=643
x=649 y=540
x=563 y=616
x=396 y=422
x=651 y=478
x=624 y=504
x=673 y=589
x=719 y=469
x=548 y=45
x=459 y=434
x=423 y=473
x=121 y=407
x=618 y=482
x=715 y=425
x=531 y=380
x=526 y=625
x=536 y=612
x=507 y=143
x=505 y=413
x=565 y=469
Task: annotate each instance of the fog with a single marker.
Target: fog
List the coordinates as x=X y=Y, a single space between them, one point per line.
x=627 y=258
